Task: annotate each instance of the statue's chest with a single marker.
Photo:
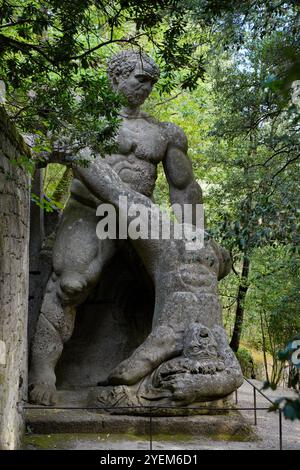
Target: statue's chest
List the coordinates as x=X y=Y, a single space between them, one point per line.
x=146 y=140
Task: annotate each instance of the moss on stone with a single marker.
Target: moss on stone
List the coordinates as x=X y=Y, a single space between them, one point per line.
x=58 y=441
x=64 y=441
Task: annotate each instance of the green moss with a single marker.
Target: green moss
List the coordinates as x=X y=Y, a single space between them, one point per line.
x=65 y=441
x=242 y=437
x=68 y=441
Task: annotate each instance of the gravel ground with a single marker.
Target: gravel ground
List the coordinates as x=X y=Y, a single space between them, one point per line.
x=267 y=427
x=267 y=430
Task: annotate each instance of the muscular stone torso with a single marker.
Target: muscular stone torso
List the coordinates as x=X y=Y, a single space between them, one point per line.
x=142 y=144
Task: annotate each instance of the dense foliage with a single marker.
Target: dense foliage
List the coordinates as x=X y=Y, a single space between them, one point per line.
x=53 y=62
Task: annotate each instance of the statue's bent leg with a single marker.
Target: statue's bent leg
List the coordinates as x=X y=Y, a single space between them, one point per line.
x=78 y=259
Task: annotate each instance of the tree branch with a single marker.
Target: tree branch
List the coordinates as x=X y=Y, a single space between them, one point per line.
x=24 y=47
x=285 y=166
x=169 y=99
x=278 y=152
x=15 y=23
x=106 y=43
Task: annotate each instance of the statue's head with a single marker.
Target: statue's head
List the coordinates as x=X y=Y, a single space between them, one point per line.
x=133 y=74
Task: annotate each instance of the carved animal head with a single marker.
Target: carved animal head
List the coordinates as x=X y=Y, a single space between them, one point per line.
x=199 y=343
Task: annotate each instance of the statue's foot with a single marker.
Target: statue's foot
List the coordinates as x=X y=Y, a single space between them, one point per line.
x=160 y=345
x=43 y=394
x=128 y=373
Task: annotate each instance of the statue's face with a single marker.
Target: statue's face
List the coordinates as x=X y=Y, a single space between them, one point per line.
x=137 y=86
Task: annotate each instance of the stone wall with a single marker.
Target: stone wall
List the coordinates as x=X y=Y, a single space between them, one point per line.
x=14 y=241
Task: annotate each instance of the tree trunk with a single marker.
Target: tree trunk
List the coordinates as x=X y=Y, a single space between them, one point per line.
x=240 y=307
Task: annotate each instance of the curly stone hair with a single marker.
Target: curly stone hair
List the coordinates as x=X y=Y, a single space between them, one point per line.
x=124 y=63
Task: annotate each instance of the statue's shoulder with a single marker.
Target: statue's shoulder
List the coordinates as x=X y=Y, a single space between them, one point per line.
x=149 y=118
x=175 y=135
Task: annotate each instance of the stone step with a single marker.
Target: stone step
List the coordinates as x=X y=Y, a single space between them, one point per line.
x=231 y=426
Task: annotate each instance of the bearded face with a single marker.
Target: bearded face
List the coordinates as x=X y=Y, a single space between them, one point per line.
x=137 y=86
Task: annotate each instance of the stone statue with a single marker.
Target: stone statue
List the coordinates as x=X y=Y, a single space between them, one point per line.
x=78 y=255
x=186 y=357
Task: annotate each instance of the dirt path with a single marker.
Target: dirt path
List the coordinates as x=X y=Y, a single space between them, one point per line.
x=268 y=423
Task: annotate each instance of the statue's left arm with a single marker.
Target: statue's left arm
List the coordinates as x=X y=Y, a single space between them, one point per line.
x=183 y=186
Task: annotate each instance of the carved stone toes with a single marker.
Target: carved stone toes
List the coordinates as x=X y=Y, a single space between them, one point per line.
x=118 y=378
x=125 y=374
x=43 y=394
x=103 y=383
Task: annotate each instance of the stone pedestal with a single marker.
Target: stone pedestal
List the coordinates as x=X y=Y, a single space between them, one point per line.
x=216 y=425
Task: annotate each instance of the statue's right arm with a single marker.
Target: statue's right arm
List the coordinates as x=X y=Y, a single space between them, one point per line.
x=100 y=179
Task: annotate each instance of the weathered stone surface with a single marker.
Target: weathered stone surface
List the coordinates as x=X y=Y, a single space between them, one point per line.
x=185 y=358
x=14 y=238
x=79 y=256
x=231 y=426
x=214 y=424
